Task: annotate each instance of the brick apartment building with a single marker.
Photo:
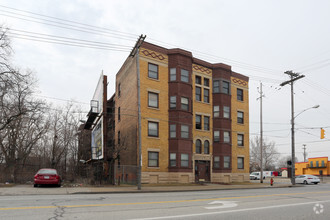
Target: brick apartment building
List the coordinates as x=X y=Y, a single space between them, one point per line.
x=194 y=117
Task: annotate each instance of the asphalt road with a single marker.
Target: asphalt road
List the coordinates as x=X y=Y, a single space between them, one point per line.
x=305 y=202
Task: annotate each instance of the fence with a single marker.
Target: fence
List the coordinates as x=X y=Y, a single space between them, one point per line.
x=125 y=174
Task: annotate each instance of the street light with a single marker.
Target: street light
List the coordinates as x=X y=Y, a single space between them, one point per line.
x=315 y=106
x=293 y=162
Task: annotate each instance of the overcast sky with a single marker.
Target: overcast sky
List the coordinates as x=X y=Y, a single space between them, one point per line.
x=260 y=39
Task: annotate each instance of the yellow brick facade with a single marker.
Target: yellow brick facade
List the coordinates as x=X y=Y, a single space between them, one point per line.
x=160 y=114
x=237 y=128
x=128 y=124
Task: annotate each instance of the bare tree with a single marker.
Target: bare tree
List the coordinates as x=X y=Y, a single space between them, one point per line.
x=15 y=87
x=62 y=139
x=21 y=123
x=283 y=161
x=270 y=154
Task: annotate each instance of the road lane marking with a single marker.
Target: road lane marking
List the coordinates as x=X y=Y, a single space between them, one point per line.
x=225 y=204
x=159 y=202
x=231 y=211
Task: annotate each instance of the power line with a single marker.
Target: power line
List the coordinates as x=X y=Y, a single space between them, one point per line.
x=80 y=29
x=69 y=44
x=67 y=38
x=74 y=22
x=128 y=36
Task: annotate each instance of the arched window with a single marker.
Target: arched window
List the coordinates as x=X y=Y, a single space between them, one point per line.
x=206 y=147
x=198 y=146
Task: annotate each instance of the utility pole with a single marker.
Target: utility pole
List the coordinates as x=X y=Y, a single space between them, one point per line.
x=304 y=148
x=293 y=77
x=261 y=136
x=135 y=51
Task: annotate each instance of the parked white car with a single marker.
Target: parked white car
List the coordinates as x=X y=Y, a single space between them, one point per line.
x=307 y=179
x=255 y=176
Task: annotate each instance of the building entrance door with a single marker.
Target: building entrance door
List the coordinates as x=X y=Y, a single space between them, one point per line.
x=202 y=170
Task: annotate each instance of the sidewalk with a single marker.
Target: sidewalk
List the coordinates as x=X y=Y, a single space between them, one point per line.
x=30 y=190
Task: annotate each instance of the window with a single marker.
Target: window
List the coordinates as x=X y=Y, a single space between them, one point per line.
x=152 y=71
x=198 y=80
x=206 y=82
x=206 y=147
x=173 y=159
x=184 y=160
x=317 y=164
x=184 y=75
x=226 y=162
x=240 y=139
x=216 y=136
x=118 y=113
x=152 y=129
x=172 y=131
x=240 y=94
x=119 y=90
x=198 y=146
x=311 y=163
x=240 y=117
x=172 y=102
x=225 y=87
x=323 y=163
x=240 y=162
x=184 y=131
x=153 y=159
x=216 y=86
x=216 y=162
x=198 y=93
x=198 y=122
x=206 y=96
x=184 y=103
x=206 y=123
x=118 y=138
x=226 y=137
x=226 y=112
x=216 y=111
x=152 y=99
x=172 y=74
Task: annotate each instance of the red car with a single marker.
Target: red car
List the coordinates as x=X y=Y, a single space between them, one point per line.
x=47 y=177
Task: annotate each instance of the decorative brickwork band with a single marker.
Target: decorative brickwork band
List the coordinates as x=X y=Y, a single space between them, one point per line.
x=152 y=54
x=201 y=69
x=239 y=82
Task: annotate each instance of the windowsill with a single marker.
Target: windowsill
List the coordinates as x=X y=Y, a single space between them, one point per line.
x=201 y=102
x=242 y=101
x=240 y=146
x=156 y=168
x=153 y=137
x=157 y=80
x=240 y=123
x=154 y=108
x=200 y=130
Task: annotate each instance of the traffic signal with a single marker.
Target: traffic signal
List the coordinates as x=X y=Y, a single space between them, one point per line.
x=322 y=133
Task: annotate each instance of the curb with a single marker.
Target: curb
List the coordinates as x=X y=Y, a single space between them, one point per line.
x=180 y=190
x=67 y=192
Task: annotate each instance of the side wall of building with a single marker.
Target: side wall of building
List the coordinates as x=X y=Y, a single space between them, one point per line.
x=126 y=113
